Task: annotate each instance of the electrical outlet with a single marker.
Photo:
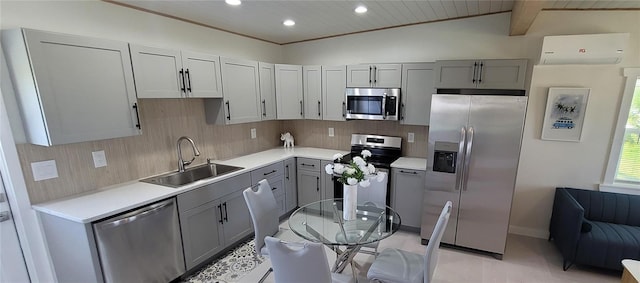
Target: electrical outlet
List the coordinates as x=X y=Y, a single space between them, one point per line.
x=99 y=159
x=331 y=132
x=253 y=133
x=44 y=170
x=411 y=137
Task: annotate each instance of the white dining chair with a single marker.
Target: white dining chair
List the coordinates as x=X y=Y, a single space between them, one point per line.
x=296 y=262
x=264 y=212
x=398 y=266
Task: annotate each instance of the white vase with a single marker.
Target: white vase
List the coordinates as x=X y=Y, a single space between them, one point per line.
x=349 y=201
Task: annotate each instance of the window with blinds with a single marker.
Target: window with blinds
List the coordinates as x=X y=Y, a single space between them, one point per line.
x=628 y=170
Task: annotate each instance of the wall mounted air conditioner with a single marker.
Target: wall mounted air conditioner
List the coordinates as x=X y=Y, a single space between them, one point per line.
x=584 y=49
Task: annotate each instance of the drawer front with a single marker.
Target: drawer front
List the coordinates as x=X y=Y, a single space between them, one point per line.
x=277 y=186
x=309 y=164
x=266 y=172
x=204 y=194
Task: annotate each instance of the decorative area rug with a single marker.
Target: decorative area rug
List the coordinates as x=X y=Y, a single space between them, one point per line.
x=231 y=267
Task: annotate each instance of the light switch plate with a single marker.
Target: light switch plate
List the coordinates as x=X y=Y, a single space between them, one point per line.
x=99 y=159
x=253 y=133
x=44 y=170
x=331 y=132
x=411 y=137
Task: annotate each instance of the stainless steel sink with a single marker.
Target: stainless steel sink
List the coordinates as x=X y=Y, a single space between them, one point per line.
x=190 y=175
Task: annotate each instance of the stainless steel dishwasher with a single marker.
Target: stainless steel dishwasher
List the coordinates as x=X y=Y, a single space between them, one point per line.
x=142 y=245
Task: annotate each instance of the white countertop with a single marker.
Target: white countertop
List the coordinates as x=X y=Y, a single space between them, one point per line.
x=410 y=163
x=118 y=198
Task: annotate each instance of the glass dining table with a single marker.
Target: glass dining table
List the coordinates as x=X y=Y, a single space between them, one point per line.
x=322 y=222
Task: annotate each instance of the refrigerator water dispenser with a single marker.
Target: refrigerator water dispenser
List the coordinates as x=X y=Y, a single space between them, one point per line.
x=444 y=159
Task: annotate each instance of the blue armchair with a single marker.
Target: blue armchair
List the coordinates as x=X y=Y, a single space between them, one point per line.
x=595 y=228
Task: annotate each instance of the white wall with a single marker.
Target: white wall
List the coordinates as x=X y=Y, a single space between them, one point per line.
x=543 y=164
x=478 y=37
x=106 y=20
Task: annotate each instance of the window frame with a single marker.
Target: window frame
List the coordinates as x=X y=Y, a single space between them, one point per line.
x=610 y=185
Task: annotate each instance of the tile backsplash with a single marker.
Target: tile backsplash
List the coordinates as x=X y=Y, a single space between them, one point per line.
x=154 y=152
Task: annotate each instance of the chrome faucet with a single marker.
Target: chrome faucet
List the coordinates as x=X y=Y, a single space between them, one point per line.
x=196 y=152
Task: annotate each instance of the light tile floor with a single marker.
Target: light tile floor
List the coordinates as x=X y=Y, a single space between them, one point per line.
x=526 y=260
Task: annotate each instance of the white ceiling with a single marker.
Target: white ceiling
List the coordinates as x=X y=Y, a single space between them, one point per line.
x=317 y=19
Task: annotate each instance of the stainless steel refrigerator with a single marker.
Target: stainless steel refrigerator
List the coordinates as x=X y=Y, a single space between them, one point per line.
x=473 y=151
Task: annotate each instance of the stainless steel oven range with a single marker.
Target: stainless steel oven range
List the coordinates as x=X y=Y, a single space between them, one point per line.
x=384 y=151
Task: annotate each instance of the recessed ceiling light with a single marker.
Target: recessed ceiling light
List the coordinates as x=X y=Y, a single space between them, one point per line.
x=233 y=2
x=289 y=23
x=361 y=9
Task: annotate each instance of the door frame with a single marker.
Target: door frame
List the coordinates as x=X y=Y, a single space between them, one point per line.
x=27 y=224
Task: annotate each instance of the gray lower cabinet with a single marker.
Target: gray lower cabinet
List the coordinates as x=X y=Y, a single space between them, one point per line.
x=407 y=186
x=308 y=181
x=313 y=183
x=290 y=184
x=274 y=174
x=213 y=217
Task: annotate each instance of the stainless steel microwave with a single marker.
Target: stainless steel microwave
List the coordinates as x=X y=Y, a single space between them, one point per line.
x=373 y=103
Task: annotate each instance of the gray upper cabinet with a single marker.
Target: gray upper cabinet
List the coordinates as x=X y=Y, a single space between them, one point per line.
x=241 y=88
x=289 y=93
x=417 y=88
x=487 y=74
x=166 y=73
x=334 y=82
x=374 y=75
x=71 y=88
x=267 y=90
x=312 y=90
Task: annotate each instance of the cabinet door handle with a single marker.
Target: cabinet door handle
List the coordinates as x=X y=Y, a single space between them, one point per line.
x=480 y=73
x=274 y=188
x=135 y=107
x=318 y=184
x=183 y=86
x=264 y=108
x=188 y=80
x=304 y=164
x=409 y=172
x=375 y=74
x=319 y=108
x=287 y=172
x=370 y=80
x=269 y=173
x=226 y=213
x=301 y=109
x=402 y=111
x=475 y=66
x=228 y=110
x=220 y=208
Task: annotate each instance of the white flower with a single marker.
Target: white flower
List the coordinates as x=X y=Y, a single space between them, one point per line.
x=329 y=169
x=364 y=169
x=359 y=161
x=380 y=176
x=349 y=171
x=365 y=183
x=338 y=168
x=337 y=156
x=366 y=153
x=372 y=168
x=352 y=181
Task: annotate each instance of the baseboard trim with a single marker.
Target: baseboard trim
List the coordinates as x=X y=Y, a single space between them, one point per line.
x=530 y=232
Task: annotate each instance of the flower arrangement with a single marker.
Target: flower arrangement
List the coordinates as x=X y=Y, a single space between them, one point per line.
x=358 y=171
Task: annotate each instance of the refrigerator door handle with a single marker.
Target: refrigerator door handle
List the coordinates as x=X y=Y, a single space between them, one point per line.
x=460 y=169
x=467 y=158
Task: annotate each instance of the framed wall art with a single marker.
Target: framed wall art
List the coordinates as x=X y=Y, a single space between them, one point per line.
x=564 y=115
